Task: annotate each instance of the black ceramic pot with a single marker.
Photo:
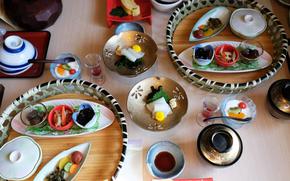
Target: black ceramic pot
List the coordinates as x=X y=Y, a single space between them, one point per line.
x=33 y=14
x=278 y=99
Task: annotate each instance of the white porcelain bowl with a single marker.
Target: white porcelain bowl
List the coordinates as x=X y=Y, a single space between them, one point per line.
x=15 y=53
x=166 y=7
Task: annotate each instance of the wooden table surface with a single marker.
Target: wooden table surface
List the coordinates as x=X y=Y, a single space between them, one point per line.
x=82 y=29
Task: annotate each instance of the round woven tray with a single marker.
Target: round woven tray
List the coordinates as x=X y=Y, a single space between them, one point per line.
x=108 y=146
x=275 y=38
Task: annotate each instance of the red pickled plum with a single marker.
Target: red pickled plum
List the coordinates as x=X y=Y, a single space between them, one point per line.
x=76 y=157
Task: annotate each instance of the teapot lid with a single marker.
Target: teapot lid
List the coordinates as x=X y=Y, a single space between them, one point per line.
x=279 y=95
x=220 y=145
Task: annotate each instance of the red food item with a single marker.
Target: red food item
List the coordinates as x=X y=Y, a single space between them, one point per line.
x=52 y=118
x=219 y=54
x=72 y=71
x=96 y=71
x=242 y=105
x=76 y=157
x=198 y=34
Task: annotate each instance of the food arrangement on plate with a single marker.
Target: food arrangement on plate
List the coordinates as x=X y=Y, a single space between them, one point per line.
x=128 y=10
x=71 y=70
x=238 y=106
x=65 y=165
x=157 y=103
x=130 y=53
x=229 y=57
x=62 y=118
x=210 y=24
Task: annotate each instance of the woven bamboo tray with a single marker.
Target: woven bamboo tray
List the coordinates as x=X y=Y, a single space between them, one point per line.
x=274 y=40
x=108 y=146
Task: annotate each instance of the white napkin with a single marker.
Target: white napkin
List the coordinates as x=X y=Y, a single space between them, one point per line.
x=133 y=165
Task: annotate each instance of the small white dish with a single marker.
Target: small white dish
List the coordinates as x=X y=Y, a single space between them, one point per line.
x=52 y=164
x=233 y=101
x=92 y=121
x=167 y=6
x=15 y=52
x=19 y=158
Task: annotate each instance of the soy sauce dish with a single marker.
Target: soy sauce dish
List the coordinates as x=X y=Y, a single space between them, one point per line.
x=165 y=160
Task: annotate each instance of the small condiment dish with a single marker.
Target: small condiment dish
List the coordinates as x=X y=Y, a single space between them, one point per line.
x=240 y=106
x=34 y=115
x=199 y=57
x=71 y=70
x=165 y=160
x=226 y=55
x=90 y=122
x=51 y=117
x=250 y=50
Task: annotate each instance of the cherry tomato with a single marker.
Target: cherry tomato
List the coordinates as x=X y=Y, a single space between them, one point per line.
x=198 y=33
x=242 y=105
x=72 y=71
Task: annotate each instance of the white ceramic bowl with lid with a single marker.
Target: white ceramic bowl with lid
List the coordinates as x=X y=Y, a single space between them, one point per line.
x=19 y=158
x=247 y=23
x=15 y=53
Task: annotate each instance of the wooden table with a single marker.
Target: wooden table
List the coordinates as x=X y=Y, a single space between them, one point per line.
x=82 y=29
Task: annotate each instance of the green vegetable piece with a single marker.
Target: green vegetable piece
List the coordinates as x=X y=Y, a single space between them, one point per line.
x=125 y=62
x=118 y=11
x=235 y=110
x=157 y=94
x=67 y=166
x=66 y=67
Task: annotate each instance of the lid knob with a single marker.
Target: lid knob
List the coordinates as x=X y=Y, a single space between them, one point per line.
x=15 y=156
x=248 y=18
x=221 y=141
x=286 y=91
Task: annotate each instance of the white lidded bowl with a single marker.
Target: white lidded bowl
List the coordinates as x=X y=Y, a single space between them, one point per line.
x=169 y=5
x=247 y=23
x=19 y=158
x=15 y=53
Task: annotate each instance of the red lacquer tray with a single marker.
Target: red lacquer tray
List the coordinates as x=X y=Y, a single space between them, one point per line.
x=145 y=8
x=40 y=40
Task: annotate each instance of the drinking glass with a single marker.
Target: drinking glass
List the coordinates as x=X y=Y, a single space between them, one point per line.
x=210 y=107
x=93 y=63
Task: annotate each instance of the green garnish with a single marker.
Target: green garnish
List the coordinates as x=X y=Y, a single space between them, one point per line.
x=66 y=67
x=125 y=62
x=118 y=11
x=156 y=94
